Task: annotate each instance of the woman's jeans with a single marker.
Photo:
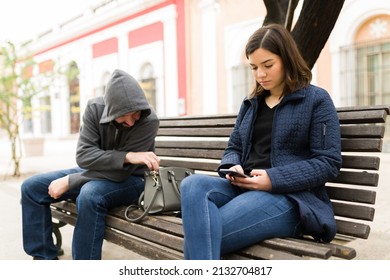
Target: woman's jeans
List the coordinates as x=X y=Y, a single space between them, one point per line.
x=219 y=218
x=93 y=200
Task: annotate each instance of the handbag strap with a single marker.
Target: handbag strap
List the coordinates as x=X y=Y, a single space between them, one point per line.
x=146 y=212
x=172 y=180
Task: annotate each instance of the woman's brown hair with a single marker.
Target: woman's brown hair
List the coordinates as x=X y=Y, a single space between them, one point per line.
x=276 y=39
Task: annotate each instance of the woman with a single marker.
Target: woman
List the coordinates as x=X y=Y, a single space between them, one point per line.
x=287 y=139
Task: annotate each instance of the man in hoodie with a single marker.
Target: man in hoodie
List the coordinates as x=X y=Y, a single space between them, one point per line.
x=115 y=147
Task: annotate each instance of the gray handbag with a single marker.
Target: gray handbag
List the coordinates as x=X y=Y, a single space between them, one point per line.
x=162 y=192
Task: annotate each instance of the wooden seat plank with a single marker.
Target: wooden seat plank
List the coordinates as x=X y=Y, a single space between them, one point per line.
x=189 y=144
x=352 y=195
x=354 y=211
x=361 y=162
x=356 y=117
x=362 y=131
x=190 y=153
x=299 y=248
x=196 y=132
x=353 y=229
x=339 y=251
x=257 y=252
x=357 y=178
x=142 y=247
x=361 y=145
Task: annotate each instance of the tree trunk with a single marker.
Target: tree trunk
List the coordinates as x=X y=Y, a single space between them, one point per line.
x=276 y=11
x=314 y=25
x=280 y=11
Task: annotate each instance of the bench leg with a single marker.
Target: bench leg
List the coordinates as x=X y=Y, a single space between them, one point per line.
x=58 y=236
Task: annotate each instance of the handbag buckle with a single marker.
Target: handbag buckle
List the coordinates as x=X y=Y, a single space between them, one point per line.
x=154 y=174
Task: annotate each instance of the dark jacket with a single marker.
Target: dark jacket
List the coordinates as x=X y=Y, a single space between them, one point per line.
x=305 y=153
x=103 y=145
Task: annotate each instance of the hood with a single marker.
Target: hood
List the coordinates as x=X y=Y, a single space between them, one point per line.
x=123 y=95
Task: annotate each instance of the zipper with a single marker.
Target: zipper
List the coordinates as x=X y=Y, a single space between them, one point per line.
x=324 y=126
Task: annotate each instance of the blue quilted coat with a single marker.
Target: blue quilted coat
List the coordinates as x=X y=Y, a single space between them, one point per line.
x=305 y=153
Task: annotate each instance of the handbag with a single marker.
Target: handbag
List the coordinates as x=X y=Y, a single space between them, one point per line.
x=161 y=193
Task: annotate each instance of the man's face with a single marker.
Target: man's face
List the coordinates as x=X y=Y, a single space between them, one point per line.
x=129 y=119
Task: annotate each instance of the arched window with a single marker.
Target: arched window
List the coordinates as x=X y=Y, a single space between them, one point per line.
x=366 y=65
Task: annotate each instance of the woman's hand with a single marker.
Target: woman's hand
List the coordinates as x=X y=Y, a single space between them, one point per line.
x=259 y=180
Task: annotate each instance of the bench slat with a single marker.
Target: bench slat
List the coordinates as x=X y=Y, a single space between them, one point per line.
x=258 y=252
x=386 y=108
x=190 y=153
x=353 y=211
x=298 y=248
x=142 y=247
x=354 y=229
x=153 y=221
x=352 y=195
x=196 y=165
x=369 y=116
x=361 y=162
x=66 y=218
x=196 y=132
x=216 y=144
x=361 y=145
x=204 y=122
x=357 y=178
x=362 y=131
x=338 y=250
x=197 y=118
x=143 y=231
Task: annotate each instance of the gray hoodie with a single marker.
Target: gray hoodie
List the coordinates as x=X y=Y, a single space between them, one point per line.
x=103 y=144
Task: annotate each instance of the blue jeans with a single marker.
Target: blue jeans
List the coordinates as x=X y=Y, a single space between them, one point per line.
x=219 y=218
x=93 y=200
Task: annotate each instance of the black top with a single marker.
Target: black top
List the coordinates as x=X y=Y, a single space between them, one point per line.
x=259 y=157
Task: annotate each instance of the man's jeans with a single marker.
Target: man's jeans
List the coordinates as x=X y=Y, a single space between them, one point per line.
x=93 y=200
x=219 y=218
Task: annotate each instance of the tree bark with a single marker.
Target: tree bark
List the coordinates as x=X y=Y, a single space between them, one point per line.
x=314 y=25
x=276 y=11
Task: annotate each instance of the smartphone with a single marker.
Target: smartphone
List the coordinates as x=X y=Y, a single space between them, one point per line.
x=233 y=173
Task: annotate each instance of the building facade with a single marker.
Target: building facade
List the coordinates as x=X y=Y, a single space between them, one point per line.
x=188 y=56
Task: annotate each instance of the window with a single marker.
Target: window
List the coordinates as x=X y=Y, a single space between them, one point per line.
x=373 y=74
x=242 y=84
x=148 y=84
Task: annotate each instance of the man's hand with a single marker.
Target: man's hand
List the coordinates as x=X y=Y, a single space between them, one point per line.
x=148 y=158
x=58 y=187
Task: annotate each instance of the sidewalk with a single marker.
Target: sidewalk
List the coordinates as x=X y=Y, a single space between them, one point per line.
x=59 y=153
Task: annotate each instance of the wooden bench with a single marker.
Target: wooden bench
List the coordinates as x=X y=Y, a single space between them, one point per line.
x=199 y=142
